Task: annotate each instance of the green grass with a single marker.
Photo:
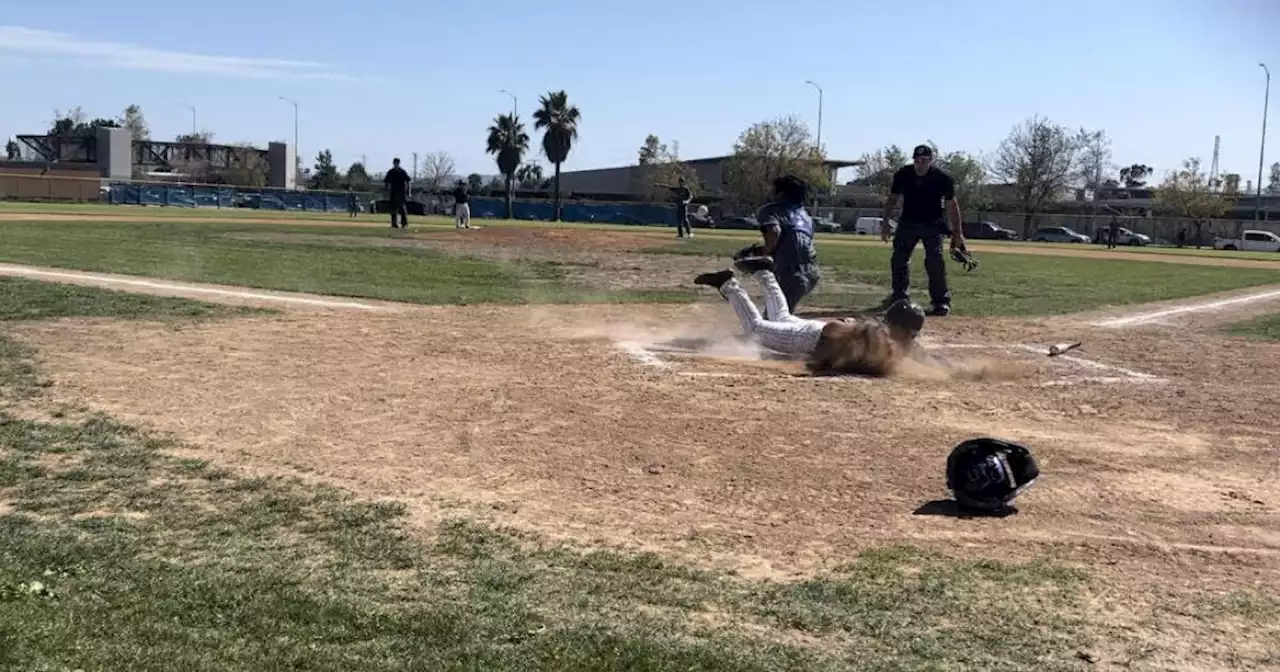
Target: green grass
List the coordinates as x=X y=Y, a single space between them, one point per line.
x=1264 y=328
x=22 y=299
x=1008 y=284
x=206 y=252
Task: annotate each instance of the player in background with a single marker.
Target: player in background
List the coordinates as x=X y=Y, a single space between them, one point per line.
x=461 y=208
x=397 y=181
x=682 y=195
x=854 y=346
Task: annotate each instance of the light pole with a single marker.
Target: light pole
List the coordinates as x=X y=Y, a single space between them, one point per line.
x=1262 y=149
x=514 y=102
x=297 y=157
x=193 y=119
x=819 y=88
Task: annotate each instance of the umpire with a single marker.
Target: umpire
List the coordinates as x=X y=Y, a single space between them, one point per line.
x=923 y=188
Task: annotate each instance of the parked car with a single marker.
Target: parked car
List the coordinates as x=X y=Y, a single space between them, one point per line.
x=1253 y=240
x=1058 y=234
x=826 y=224
x=1123 y=236
x=871 y=226
x=988 y=231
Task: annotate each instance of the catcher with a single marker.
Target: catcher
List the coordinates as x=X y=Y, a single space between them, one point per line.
x=858 y=347
x=787 y=229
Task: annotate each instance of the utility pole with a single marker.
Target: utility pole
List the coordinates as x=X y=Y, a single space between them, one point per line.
x=193 y=120
x=514 y=101
x=1262 y=149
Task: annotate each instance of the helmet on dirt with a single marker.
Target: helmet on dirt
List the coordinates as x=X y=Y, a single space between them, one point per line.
x=905 y=315
x=987 y=474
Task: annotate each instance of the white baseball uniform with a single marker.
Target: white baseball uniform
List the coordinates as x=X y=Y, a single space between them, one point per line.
x=786 y=333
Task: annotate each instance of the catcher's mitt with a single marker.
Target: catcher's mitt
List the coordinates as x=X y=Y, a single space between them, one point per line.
x=964 y=257
x=756 y=250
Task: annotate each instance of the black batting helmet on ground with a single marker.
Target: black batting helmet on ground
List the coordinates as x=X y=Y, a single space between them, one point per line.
x=986 y=474
x=905 y=315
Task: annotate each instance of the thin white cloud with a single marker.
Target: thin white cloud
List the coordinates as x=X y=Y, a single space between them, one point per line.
x=118 y=56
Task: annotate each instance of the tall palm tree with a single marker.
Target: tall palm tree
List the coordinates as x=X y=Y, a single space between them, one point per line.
x=508 y=142
x=558 y=121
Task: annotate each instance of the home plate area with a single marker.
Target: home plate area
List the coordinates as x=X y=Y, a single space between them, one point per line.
x=730 y=358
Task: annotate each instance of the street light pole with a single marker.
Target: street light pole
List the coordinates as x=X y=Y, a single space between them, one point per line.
x=193 y=120
x=1262 y=149
x=514 y=102
x=296 y=155
x=819 y=88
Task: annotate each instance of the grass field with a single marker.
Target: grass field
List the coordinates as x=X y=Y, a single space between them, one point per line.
x=373 y=263
x=1265 y=328
x=462 y=487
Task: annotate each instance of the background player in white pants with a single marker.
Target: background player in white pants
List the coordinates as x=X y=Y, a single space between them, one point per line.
x=461 y=208
x=862 y=347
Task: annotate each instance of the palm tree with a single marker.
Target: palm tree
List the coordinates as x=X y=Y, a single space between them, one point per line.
x=559 y=123
x=508 y=142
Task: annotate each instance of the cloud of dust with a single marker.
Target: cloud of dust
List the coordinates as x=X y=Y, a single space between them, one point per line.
x=972 y=368
x=701 y=330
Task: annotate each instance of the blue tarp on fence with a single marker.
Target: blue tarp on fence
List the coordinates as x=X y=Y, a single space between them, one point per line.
x=180 y=196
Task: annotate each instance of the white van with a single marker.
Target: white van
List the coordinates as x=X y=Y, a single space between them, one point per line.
x=871 y=225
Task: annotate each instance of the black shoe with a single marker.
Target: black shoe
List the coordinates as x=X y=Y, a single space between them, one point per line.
x=751 y=265
x=940 y=310
x=886 y=303
x=716 y=279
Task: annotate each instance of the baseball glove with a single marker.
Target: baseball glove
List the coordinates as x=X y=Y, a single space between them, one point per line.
x=756 y=250
x=964 y=257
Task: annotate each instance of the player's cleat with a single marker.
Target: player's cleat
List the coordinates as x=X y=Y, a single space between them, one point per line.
x=751 y=265
x=715 y=279
x=941 y=310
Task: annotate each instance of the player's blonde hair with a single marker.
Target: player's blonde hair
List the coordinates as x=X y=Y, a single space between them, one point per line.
x=858 y=348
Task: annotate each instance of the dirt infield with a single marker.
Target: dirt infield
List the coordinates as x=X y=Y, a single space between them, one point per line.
x=582 y=423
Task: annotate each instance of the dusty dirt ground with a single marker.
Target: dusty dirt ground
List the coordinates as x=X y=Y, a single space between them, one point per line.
x=1159 y=442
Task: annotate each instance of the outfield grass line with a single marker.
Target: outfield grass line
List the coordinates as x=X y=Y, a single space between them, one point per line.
x=1208 y=306
x=71 y=277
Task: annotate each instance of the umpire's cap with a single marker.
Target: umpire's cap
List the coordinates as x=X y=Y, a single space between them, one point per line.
x=905 y=315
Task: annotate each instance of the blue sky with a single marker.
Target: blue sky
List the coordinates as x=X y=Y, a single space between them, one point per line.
x=392 y=77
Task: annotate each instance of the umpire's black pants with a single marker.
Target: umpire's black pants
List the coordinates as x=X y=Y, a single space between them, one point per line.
x=904 y=244
x=400 y=206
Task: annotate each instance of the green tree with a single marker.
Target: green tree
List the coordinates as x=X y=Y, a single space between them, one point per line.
x=876 y=171
x=558 y=121
x=1040 y=159
x=530 y=176
x=970 y=176
x=133 y=120
x=12 y=151
x=1135 y=176
x=325 y=174
x=508 y=143
x=358 y=176
x=1188 y=193
x=770 y=149
x=659 y=168
x=475 y=181
x=1273 y=180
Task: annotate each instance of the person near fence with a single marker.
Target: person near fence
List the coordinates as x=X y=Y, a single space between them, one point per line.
x=397 y=181
x=923 y=189
x=682 y=195
x=461 y=208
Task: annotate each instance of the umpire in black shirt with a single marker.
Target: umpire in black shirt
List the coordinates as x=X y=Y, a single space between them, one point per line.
x=397 y=181
x=923 y=188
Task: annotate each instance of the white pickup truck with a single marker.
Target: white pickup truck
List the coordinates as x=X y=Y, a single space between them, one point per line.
x=1252 y=240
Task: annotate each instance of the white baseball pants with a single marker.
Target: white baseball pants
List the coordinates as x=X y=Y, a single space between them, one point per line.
x=786 y=333
x=462 y=215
